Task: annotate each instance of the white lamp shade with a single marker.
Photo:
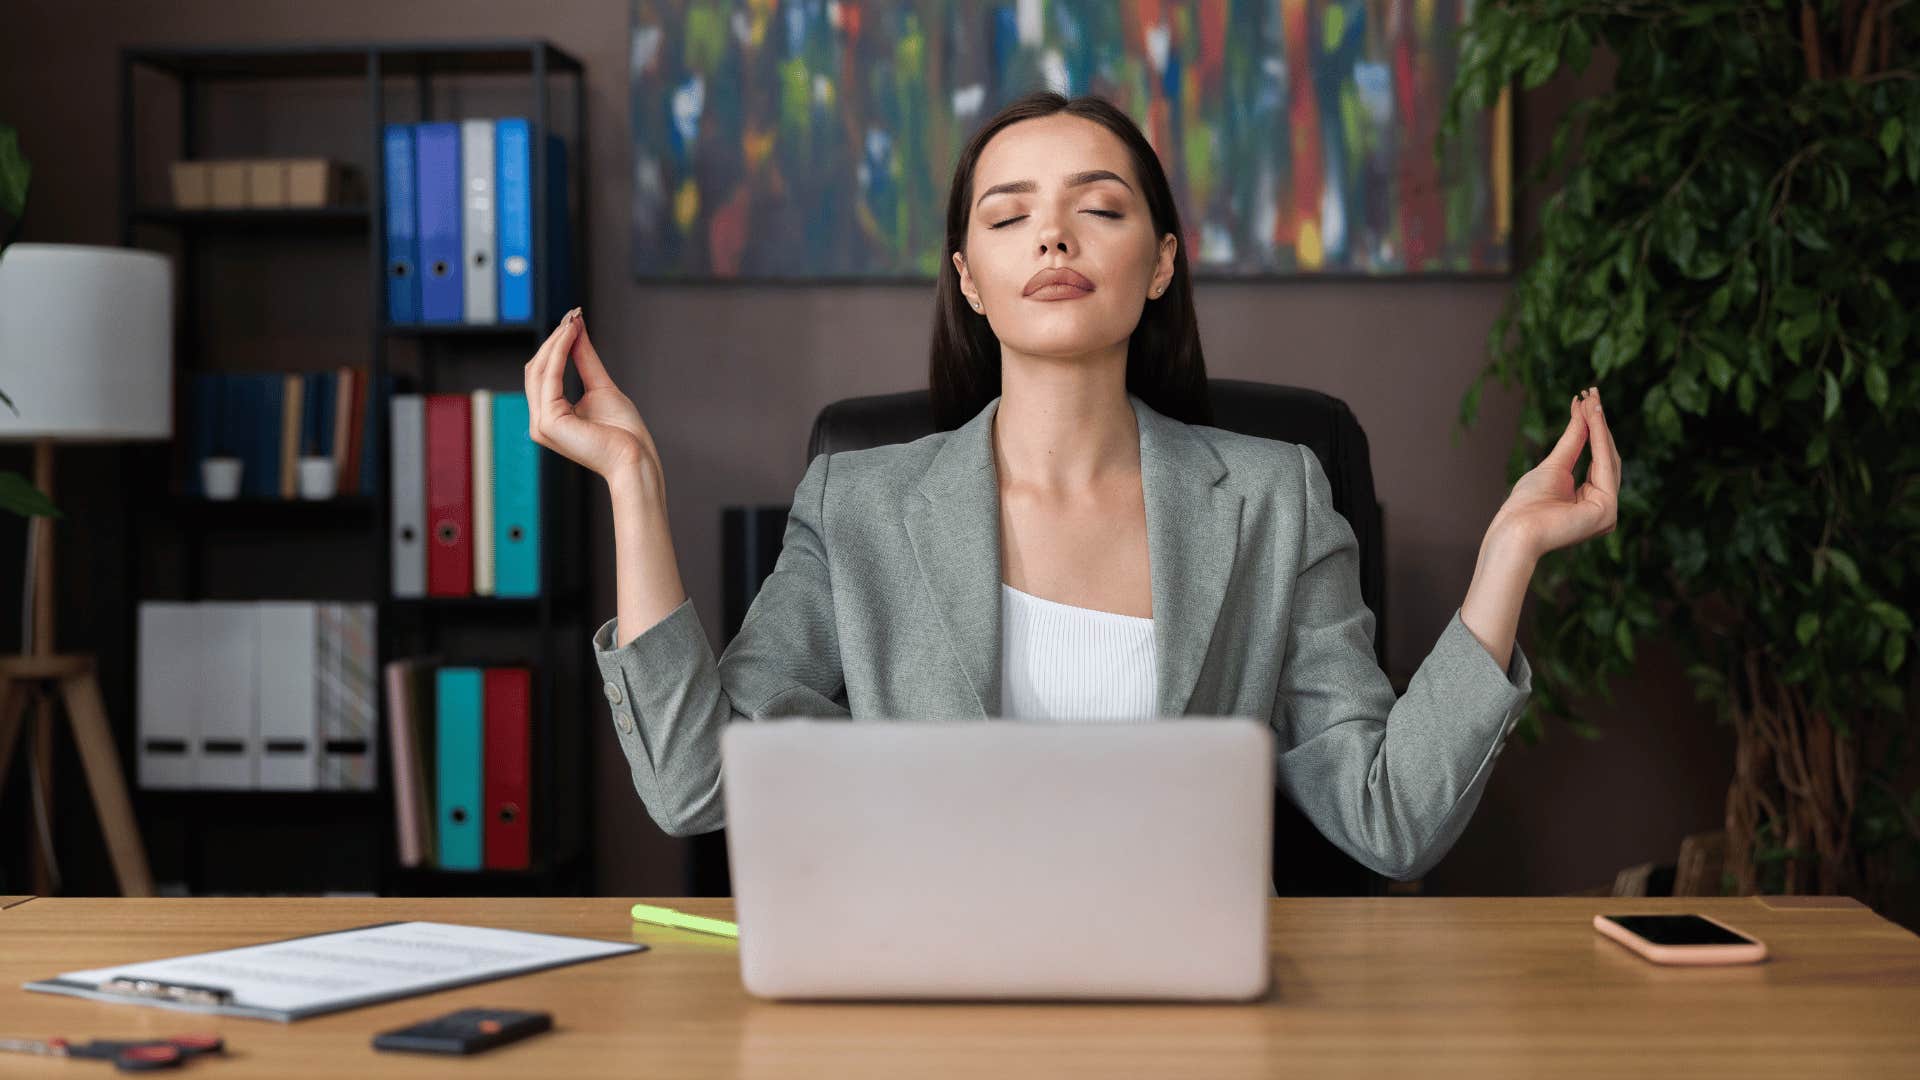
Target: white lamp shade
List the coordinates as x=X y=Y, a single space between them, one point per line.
x=86 y=343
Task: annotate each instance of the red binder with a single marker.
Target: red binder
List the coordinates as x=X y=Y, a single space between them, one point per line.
x=449 y=495
x=509 y=751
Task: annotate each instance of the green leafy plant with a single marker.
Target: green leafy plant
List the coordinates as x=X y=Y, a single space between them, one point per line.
x=1730 y=258
x=16 y=494
x=15 y=174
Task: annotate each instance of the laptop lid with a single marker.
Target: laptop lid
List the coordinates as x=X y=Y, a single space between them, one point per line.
x=1003 y=859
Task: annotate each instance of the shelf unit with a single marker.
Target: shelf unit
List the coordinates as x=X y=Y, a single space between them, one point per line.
x=551 y=626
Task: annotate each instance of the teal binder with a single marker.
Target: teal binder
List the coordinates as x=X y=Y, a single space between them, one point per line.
x=516 y=500
x=460 y=737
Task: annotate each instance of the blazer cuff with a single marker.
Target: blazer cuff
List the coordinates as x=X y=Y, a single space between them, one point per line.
x=644 y=677
x=1489 y=690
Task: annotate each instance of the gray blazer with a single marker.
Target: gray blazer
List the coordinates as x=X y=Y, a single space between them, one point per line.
x=885 y=604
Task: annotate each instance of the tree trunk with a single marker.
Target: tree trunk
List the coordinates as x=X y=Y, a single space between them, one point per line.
x=1796 y=779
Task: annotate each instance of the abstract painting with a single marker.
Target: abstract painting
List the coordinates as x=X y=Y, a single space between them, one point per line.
x=814 y=140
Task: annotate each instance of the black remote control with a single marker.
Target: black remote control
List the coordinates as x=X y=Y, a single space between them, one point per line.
x=467 y=1031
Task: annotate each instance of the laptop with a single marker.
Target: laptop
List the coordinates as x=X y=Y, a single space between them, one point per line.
x=1004 y=859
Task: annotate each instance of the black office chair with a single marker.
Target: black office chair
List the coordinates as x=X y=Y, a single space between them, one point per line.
x=1305 y=863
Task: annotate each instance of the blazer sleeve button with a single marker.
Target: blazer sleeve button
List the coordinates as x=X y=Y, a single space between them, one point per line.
x=613 y=692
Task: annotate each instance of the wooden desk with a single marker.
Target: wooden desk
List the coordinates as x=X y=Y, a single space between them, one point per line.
x=11 y=901
x=1409 y=985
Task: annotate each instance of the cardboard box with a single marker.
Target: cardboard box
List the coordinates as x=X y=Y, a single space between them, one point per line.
x=192 y=185
x=320 y=182
x=267 y=183
x=227 y=186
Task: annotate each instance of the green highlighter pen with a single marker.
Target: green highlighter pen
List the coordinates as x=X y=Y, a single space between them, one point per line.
x=668 y=917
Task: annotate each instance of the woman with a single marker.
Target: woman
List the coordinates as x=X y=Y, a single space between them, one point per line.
x=1075 y=540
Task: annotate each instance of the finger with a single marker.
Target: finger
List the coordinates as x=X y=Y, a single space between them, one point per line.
x=536 y=367
x=593 y=373
x=1567 y=450
x=546 y=398
x=1604 y=470
x=530 y=377
x=553 y=373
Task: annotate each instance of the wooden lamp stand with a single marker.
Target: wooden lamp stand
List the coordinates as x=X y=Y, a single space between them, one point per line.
x=41 y=677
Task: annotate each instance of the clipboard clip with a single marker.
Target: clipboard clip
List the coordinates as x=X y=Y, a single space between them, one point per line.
x=190 y=993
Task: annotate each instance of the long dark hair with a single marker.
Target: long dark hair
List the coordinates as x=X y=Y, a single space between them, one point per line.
x=1164 y=365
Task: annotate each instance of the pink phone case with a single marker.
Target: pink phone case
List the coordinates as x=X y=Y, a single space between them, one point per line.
x=1685 y=954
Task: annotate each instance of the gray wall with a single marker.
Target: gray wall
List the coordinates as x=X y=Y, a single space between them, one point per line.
x=729 y=379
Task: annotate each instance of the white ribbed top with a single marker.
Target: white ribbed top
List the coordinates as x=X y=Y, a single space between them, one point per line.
x=1061 y=662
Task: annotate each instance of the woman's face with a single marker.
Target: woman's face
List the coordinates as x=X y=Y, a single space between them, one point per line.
x=1059 y=192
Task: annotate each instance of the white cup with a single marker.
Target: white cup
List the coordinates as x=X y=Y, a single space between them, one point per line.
x=316 y=478
x=220 y=477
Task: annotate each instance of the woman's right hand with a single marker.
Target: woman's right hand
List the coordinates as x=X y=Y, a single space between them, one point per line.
x=602 y=431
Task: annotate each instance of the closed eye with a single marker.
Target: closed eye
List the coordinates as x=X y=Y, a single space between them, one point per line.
x=1017 y=217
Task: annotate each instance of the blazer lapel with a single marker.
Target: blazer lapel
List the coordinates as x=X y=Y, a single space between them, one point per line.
x=1193 y=532
x=955 y=531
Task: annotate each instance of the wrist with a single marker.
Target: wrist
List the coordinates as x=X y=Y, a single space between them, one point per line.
x=636 y=485
x=1508 y=549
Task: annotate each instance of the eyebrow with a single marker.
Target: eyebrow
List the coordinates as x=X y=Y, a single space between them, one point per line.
x=1073 y=180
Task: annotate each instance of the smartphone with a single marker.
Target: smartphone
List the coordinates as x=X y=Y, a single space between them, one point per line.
x=1681 y=939
x=466 y=1031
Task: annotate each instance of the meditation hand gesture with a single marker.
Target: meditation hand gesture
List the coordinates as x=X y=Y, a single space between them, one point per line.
x=602 y=431
x=1545 y=511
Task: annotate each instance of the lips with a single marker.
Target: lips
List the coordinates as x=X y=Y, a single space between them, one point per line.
x=1057 y=283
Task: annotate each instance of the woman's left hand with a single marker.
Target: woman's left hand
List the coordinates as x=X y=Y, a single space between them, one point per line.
x=1545 y=511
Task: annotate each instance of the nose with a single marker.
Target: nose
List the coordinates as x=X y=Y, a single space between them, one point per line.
x=1053 y=237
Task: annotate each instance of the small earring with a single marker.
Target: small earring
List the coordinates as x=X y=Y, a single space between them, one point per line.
x=976 y=305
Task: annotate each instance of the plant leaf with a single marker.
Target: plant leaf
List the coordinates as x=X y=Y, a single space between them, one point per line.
x=1843 y=564
x=17 y=495
x=1719 y=371
x=15 y=174
x=1876 y=381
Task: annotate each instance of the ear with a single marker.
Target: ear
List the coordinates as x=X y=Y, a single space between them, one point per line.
x=1163 y=266
x=966 y=279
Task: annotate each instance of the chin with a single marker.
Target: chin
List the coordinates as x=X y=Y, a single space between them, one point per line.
x=1065 y=335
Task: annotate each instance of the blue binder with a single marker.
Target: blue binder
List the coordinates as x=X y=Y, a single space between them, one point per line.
x=459 y=739
x=518 y=268
x=516 y=500
x=316 y=407
x=514 y=184
x=437 y=185
x=329 y=403
x=261 y=398
x=238 y=401
x=559 y=284
x=209 y=420
x=403 y=262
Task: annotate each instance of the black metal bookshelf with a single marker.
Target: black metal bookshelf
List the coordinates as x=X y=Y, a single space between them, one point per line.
x=349 y=836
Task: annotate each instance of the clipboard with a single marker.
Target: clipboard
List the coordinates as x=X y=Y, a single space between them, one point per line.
x=315 y=974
